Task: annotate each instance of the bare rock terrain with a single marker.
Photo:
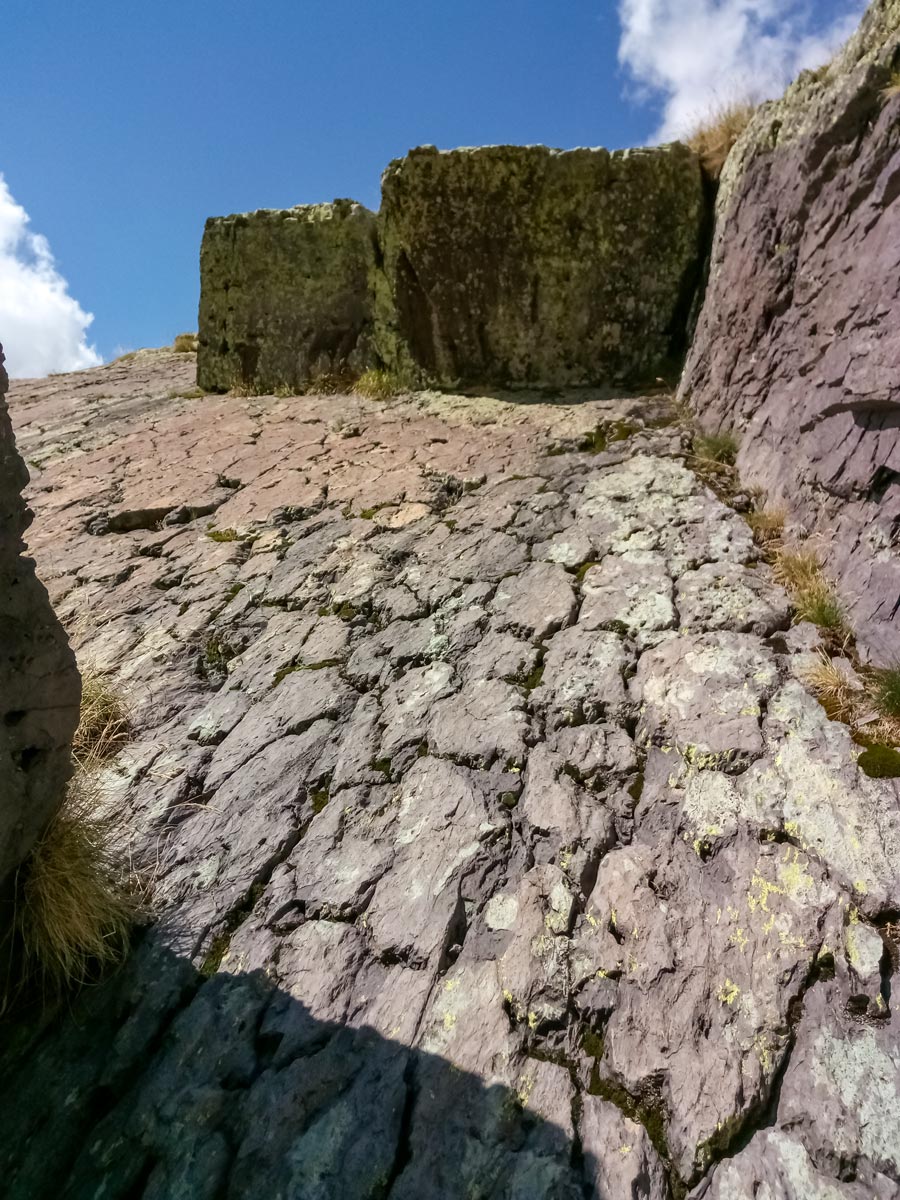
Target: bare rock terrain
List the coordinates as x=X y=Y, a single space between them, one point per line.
x=497 y=847
x=798 y=343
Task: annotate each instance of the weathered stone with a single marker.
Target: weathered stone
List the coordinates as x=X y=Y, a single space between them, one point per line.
x=520 y=264
x=797 y=344
x=364 y=827
x=285 y=296
x=622 y=1160
x=39 y=684
x=704 y=695
x=729 y=596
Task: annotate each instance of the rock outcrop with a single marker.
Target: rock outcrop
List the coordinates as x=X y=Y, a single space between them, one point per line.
x=498 y=847
x=39 y=684
x=286 y=297
x=501 y=265
x=798 y=343
x=521 y=264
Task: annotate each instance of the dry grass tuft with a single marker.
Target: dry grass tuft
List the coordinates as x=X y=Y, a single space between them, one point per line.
x=814 y=598
x=720 y=448
x=74 y=899
x=767 y=526
x=379 y=384
x=713 y=137
x=332 y=383
x=893 y=87
x=103 y=727
x=833 y=688
x=75 y=902
x=185 y=343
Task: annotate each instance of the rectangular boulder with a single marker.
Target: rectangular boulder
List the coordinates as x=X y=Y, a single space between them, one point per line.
x=526 y=265
x=286 y=297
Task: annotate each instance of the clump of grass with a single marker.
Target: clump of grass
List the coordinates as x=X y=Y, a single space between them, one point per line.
x=185 y=343
x=833 y=688
x=714 y=136
x=332 y=383
x=380 y=384
x=103 y=725
x=75 y=901
x=712 y=459
x=767 y=526
x=74 y=898
x=194 y=393
x=813 y=597
x=886 y=691
x=892 y=88
x=720 y=448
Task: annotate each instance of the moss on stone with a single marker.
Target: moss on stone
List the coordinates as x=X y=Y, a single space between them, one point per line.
x=880 y=762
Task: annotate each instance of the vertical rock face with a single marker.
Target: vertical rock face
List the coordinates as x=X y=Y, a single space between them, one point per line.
x=285 y=296
x=39 y=685
x=798 y=344
x=521 y=264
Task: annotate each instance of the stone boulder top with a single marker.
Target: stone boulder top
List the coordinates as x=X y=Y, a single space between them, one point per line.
x=312 y=214
x=525 y=264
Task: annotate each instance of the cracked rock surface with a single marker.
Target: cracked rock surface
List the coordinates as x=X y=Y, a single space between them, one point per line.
x=497 y=848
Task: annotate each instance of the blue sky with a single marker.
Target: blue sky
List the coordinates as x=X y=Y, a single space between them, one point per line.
x=127 y=124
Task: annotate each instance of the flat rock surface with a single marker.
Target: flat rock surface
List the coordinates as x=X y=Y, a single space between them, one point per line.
x=496 y=847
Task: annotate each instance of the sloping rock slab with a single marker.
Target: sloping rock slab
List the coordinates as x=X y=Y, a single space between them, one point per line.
x=798 y=341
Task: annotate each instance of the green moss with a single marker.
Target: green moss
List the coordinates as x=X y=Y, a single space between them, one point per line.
x=383 y=765
x=583 y=570
x=592 y=1044
x=647 y=1111
x=232 y=591
x=605 y=435
x=218 y=947
x=223 y=535
x=187 y=394
x=290 y=668
x=319 y=798
x=215 y=656
x=880 y=762
x=509 y=799
x=533 y=680
x=636 y=787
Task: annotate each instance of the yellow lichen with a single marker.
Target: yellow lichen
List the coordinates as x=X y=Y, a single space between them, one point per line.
x=728 y=992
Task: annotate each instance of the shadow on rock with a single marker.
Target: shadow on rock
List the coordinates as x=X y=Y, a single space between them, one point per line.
x=162 y=1084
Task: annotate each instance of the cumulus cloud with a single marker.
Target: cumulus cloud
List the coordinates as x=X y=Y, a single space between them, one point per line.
x=695 y=55
x=42 y=327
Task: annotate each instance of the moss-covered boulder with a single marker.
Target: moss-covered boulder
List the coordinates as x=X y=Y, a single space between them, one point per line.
x=285 y=296
x=526 y=265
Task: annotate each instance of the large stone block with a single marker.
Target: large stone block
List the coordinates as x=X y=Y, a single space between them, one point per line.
x=798 y=344
x=526 y=265
x=40 y=690
x=285 y=296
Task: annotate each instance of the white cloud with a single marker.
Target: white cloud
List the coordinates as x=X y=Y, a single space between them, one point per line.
x=42 y=327
x=695 y=55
